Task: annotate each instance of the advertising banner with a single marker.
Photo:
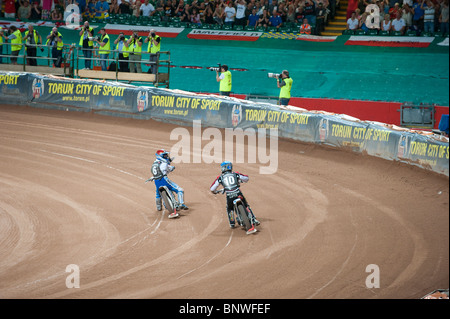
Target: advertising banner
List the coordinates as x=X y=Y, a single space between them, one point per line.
x=112 y=98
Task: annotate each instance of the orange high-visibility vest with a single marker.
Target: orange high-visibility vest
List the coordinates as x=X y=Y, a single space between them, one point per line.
x=305 y=29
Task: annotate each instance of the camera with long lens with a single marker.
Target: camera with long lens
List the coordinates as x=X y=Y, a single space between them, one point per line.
x=216 y=69
x=274 y=75
x=122 y=37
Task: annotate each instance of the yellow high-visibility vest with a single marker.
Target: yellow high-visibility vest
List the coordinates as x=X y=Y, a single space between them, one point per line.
x=225 y=83
x=285 y=91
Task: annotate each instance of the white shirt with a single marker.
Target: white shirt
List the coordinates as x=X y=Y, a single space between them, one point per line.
x=146 y=9
x=240 y=12
x=229 y=12
x=352 y=24
x=398 y=24
x=386 y=27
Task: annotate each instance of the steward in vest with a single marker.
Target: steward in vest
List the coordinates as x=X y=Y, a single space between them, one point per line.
x=87 y=43
x=135 y=50
x=32 y=39
x=154 y=46
x=104 y=49
x=1 y=44
x=16 y=43
x=285 y=84
x=55 y=42
x=225 y=80
x=305 y=28
x=122 y=48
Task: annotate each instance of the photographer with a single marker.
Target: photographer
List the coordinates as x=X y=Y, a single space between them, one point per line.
x=32 y=39
x=16 y=43
x=122 y=47
x=154 y=46
x=135 y=48
x=284 y=83
x=54 y=40
x=104 y=49
x=1 y=44
x=87 y=43
x=225 y=80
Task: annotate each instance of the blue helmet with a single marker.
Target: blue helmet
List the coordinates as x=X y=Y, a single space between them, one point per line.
x=226 y=166
x=163 y=155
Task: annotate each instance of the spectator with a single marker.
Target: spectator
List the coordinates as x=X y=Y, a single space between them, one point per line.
x=352 y=22
x=407 y=15
x=113 y=7
x=386 y=25
x=362 y=22
x=429 y=12
x=305 y=27
x=10 y=8
x=159 y=10
x=282 y=11
x=219 y=14
x=443 y=18
x=320 y=18
x=290 y=15
x=195 y=17
x=300 y=15
x=102 y=10
x=264 y=19
x=398 y=24
x=32 y=39
x=89 y=12
x=169 y=10
x=230 y=14
x=46 y=9
x=275 y=20
x=208 y=17
x=36 y=12
x=351 y=7
x=125 y=7
x=394 y=10
x=136 y=8
x=24 y=11
x=147 y=9
x=418 y=15
x=253 y=19
x=185 y=14
x=241 y=7
x=310 y=11
x=56 y=15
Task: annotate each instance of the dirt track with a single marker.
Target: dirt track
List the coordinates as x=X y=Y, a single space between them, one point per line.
x=72 y=192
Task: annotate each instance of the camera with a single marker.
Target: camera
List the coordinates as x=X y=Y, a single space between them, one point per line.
x=274 y=75
x=122 y=37
x=216 y=69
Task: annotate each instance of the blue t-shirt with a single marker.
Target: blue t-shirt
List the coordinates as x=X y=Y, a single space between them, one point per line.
x=252 y=19
x=418 y=12
x=275 y=21
x=102 y=6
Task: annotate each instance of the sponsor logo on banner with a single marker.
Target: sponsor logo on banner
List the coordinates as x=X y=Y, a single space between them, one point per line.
x=38 y=88
x=381 y=41
x=224 y=35
x=402 y=149
x=165 y=32
x=142 y=101
x=323 y=129
x=236 y=115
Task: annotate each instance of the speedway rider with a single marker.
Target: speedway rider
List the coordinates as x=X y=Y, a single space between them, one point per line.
x=160 y=169
x=231 y=181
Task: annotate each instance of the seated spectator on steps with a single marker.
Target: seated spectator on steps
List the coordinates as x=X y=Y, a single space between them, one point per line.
x=398 y=24
x=352 y=22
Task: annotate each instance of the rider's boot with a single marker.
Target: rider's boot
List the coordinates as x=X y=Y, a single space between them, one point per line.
x=231 y=219
x=254 y=220
x=158 y=204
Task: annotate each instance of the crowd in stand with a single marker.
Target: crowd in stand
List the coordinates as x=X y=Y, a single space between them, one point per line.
x=253 y=13
x=417 y=16
x=397 y=15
